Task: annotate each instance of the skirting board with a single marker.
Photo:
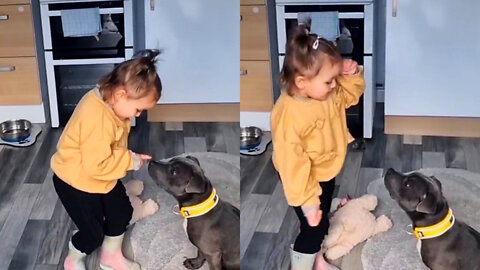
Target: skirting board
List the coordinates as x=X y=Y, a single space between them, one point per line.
x=221 y=112
x=32 y=113
x=257 y=119
x=433 y=126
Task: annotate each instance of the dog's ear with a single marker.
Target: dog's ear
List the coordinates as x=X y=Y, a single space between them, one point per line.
x=428 y=205
x=438 y=183
x=195 y=185
x=194 y=159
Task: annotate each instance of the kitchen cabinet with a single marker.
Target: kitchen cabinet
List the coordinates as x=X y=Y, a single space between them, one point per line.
x=432 y=58
x=201 y=49
x=19 y=81
x=256 y=93
x=432 y=66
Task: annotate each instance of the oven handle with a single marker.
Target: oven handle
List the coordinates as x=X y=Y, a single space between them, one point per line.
x=53 y=13
x=341 y=15
x=65 y=62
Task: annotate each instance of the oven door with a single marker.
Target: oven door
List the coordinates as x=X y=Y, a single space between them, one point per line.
x=110 y=43
x=357 y=19
x=69 y=80
x=351 y=19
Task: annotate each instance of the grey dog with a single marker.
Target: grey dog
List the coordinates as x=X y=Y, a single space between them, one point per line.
x=421 y=197
x=216 y=233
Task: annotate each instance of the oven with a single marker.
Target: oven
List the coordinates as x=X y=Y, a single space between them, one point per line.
x=75 y=64
x=356 y=22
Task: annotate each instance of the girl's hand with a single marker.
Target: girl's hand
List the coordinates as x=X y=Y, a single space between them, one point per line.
x=144 y=158
x=314 y=217
x=350 y=67
x=139 y=160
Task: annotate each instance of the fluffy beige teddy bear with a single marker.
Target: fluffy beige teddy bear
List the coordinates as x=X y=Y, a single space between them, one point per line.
x=140 y=209
x=351 y=224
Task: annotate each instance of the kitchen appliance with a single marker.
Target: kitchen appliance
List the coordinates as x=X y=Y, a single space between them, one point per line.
x=356 y=22
x=75 y=64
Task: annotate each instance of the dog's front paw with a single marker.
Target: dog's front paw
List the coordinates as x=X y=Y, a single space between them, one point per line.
x=193 y=263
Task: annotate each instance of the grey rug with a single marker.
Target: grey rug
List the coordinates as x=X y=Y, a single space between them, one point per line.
x=159 y=241
x=396 y=249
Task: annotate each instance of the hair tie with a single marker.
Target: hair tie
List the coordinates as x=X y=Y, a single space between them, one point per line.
x=316 y=42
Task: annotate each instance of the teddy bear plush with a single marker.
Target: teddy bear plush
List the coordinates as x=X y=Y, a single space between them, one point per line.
x=140 y=209
x=351 y=224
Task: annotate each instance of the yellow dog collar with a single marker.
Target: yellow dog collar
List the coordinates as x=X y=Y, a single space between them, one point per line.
x=201 y=208
x=437 y=229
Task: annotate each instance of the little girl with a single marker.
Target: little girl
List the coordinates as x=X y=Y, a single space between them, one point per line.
x=310 y=135
x=92 y=155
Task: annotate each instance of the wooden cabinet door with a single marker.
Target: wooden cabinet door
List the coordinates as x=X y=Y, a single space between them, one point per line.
x=19 y=84
x=16 y=31
x=255 y=86
x=253 y=33
x=252 y=2
x=14 y=2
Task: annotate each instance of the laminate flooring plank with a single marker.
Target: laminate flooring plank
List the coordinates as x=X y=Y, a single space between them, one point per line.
x=25 y=256
x=367 y=175
x=39 y=168
x=156 y=141
x=57 y=235
x=394 y=153
x=274 y=213
x=250 y=213
x=46 y=200
x=250 y=171
x=174 y=126
x=231 y=134
x=267 y=181
x=348 y=177
x=455 y=154
x=175 y=145
x=195 y=144
x=215 y=138
x=433 y=160
x=16 y=221
x=374 y=153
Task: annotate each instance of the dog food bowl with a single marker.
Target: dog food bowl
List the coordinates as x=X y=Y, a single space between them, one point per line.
x=15 y=130
x=250 y=137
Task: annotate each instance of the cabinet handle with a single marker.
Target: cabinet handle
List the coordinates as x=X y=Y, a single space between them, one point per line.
x=243 y=72
x=3 y=17
x=7 y=69
x=394 y=8
x=152 y=5
x=241 y=18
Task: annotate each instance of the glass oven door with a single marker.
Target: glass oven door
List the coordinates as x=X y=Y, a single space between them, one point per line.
x=109 y=43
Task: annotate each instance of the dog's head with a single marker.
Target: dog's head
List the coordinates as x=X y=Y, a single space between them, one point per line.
x=415 y=193
x=180 y=176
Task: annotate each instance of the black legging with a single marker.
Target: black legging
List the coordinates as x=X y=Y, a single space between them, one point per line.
x=95 y=215
x=310 y=239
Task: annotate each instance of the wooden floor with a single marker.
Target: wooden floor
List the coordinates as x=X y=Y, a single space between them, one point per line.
x=34 y=227
x=269 y=226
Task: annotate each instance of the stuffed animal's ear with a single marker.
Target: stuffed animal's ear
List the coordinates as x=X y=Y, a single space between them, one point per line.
x=428 y=205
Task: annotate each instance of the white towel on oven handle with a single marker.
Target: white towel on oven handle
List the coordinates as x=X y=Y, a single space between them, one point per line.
x=81 y=22
x=326 y=24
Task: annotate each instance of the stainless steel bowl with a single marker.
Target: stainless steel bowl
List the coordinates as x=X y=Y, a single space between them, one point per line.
x=250 y=137
x=15 y=130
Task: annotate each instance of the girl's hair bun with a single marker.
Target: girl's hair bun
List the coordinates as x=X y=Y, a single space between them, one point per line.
x=151 y=54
